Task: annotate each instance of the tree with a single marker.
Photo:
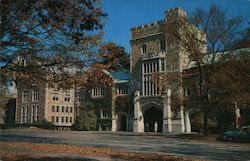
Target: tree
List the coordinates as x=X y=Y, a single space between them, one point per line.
x=3 y=90
x=230 y=84
x=114 y=57
x=207 y=43
x=41 y=39
x=87 y=119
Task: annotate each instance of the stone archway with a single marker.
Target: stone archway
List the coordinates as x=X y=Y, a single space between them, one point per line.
x=152 y=115
x=152 y=112
x=189 y=113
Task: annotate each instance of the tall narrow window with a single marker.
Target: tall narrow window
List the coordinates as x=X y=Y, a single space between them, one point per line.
x=99 y=92
x=67 y=95
x=79 y=96
x=163 y=45
x=26 y=114
x=25 y=96
x=162 y=65
x=35 y=95
x=33 y=111
x=37 y=111
x=144 y=48
x=104 y=113
x=22 y=114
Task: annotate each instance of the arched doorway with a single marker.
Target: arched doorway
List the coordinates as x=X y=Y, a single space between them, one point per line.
x=151 y=116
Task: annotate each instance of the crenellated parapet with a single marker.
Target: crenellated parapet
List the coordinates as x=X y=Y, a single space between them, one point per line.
x=175 y=13
x=146 y=30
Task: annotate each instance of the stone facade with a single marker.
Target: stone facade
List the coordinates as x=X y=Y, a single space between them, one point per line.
x=44 y=103
x=156 y=51
x=138 y=101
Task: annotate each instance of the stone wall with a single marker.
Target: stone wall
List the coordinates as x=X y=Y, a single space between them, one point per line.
x=31 y=103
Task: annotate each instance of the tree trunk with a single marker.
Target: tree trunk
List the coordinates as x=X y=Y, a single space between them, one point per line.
x=205 y=123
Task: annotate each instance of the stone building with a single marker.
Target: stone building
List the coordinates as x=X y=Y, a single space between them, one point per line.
x=7 y=109
x=139 y=100
x=155 y=54
x=112 y=102
x=45 y=103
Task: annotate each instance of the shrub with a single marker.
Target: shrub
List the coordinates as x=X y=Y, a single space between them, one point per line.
x=87 y=120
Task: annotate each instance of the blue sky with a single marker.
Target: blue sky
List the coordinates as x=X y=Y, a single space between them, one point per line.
x=125 y=14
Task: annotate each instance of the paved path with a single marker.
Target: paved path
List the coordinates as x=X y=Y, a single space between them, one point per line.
x=135 y=142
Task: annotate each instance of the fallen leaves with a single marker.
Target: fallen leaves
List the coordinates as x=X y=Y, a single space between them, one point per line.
x=30 y=151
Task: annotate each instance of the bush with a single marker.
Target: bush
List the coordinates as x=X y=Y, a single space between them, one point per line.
x=10 y=126
x=87 y=120
x=40 y=124
x=44 y=124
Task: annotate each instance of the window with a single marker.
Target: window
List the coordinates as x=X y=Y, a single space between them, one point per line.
x=57 y=119
x=62 y=119
x=35 y=96
x=55 y=98
x=79 y=96
x=70 y=119
x=53 y=119
x=25 y=96
x=144 y=48
x=71 y=109
x=62 y=108
x=67 y=109
x=66 y=119
x=66 y=99
x=67 y=95
x=121 y=90
x=26 y=114
x=104 y=113
x=33 y=114
x=174 y=67
x=53 y=108
x=162 y=65
x=36 y=114
x=162 y=45
x=55 y=94
x=22 y=114
x=57 y=108
x=99 y=92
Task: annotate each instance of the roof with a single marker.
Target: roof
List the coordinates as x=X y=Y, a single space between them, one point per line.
x=123 y=75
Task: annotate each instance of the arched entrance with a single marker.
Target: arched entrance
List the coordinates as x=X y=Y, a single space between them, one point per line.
x=152 y=115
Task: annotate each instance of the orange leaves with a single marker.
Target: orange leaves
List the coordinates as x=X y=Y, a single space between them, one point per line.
x=114 y=57
x=26 y=151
